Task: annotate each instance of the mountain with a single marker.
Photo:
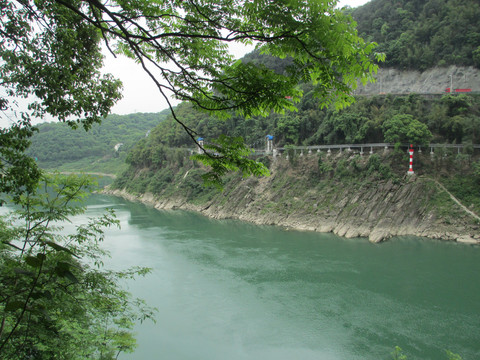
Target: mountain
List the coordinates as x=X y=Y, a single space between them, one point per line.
x=422 y=34
x=56 y=145
x=429 y=45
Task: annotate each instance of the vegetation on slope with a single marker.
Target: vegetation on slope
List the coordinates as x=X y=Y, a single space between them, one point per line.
x=53 y=50
x=322 y=184
x=413 y=34
x=56 y=146
x=446 y=119
x=420 y=34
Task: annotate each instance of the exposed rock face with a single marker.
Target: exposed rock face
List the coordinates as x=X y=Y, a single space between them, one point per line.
x=432 y=81
x=377 y=210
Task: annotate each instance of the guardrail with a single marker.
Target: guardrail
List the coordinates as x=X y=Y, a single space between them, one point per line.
x=362 y=147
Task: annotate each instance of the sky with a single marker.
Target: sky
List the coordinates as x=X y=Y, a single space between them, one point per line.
x=139 y=92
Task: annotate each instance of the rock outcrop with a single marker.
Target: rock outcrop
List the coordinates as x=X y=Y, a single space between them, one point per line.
x=431 y=81
x=377 y=210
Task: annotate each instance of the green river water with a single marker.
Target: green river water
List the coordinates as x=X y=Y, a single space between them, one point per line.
x=230 y=290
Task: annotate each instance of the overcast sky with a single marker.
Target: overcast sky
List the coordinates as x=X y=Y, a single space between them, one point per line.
x=140 y=94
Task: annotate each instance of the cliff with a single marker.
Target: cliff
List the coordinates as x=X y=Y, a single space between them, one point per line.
x=359 y=203
x=432 y=81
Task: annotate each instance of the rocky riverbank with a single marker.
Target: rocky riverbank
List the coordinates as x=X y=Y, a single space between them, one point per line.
x=378 y=210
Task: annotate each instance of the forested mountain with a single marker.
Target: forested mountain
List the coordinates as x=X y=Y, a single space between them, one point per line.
x=56 y=144
x=444 y=119
x=420 y=34
x=414 y=34
x=409 y=32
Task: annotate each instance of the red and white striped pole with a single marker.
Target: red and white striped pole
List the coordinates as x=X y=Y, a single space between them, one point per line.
x=410 y=168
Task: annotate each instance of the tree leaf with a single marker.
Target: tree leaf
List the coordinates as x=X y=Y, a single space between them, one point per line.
x=69 y=275
x=33 y=261
x=59 y=247
x=14 y=305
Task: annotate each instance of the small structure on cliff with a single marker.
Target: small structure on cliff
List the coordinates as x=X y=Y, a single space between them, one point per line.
x=269 y=145
x=410 y=166
x=200 y=145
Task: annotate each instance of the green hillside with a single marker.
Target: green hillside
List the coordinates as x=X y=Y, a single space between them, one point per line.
x=449 y=119
x=420 y=34
x=413 y=33
x=57 y=146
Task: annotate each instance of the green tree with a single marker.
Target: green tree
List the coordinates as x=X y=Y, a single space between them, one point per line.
x=56 y=300
x=398 y=354
x=423 y=34
x=476 y=170
x=476 y=57
x=403 y=128
x=288 y=129
x=51 y=49
x=56 y=144
x=54 y=305
x=229 y=154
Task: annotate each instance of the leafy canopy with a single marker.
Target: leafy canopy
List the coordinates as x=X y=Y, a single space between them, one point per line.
x=52 y=49
x=57 y=301
x=228 y=154
x=419 y=35
x=403 y=128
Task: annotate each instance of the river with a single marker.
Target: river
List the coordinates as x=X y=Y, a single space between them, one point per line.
x=232 y=290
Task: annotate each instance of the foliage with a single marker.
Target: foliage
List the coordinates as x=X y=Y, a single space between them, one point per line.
x=423 y=34
x=403 y=128
x=366 y=119
x=51 y=52
x=55 y=144
x=476 y=170
x=465 y=187
x=341 y=127
x=288 y=129
x=50 y=65
x=18 y=172
x=228 y=154
x=452 y=356
x=398 y=354
x=265 y=160
x=323 y=167
x=56 y=300
x=55 y=303
x=292 y=154
x=364 y=122
x=51 y=49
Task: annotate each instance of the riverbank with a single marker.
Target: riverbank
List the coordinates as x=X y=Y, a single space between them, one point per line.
x=295 y=197
x=256 y=292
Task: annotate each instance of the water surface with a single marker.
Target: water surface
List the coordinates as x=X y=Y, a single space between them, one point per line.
x=231 y=290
